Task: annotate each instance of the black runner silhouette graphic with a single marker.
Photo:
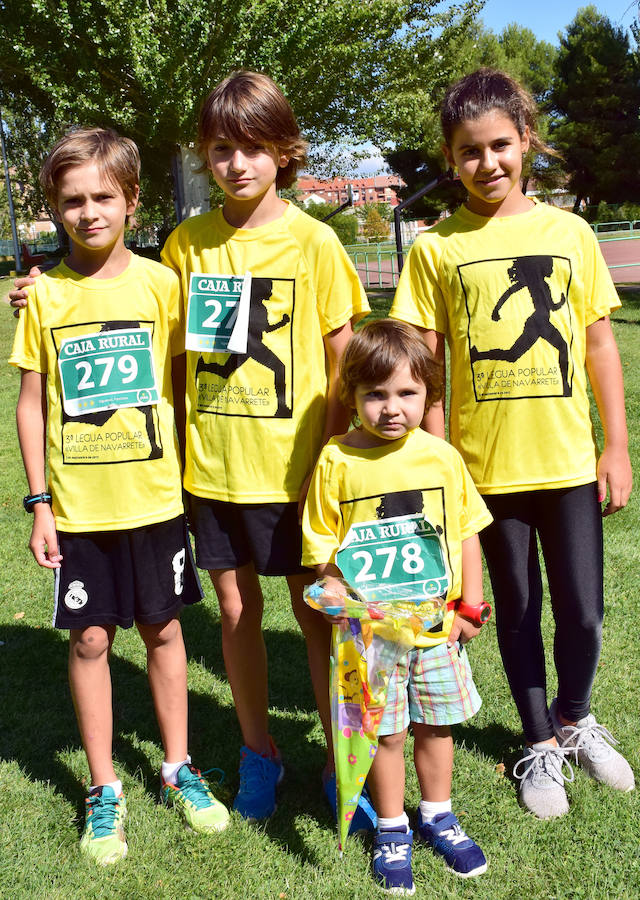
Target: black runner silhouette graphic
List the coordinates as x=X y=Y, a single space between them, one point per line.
x=530 y=272
x=261 y=289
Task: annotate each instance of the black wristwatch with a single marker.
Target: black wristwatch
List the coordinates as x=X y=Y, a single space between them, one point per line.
x=30 y=502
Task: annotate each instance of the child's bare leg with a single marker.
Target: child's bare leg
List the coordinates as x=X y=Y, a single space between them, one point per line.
x=167 y=673
x=90 y=683
x=433 y=757
x=317 y=635
x=245 y=656
x=387 y=776
x=437 y=824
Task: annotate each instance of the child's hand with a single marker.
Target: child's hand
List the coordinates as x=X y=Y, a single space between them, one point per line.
x=462 y=630
x=18 y=296
x=614 y=471
x=44 y=538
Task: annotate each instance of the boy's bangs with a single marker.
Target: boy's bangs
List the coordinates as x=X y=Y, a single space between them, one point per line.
x=241 y=125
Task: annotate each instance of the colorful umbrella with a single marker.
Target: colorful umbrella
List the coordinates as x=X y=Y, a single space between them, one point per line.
x=370 y=636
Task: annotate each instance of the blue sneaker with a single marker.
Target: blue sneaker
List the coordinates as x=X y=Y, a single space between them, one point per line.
x=259 y=777
x=446 y=837
x=392 y=861
x=364 y=818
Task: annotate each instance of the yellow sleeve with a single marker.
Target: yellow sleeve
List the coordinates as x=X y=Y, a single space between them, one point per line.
x=603 y=297
x=474 y=515
x=419 y=299
x=321 y=529
x=171 y=254
x=28 y=347
x=339 y=293
x=175 y=309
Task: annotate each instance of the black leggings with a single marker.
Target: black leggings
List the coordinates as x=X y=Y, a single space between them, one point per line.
x=569 y=524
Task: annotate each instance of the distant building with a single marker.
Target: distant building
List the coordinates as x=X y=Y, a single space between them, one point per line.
x=372 y=189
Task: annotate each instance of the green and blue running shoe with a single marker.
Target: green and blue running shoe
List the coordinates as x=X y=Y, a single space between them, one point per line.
x=194 y=801
x=103 y=836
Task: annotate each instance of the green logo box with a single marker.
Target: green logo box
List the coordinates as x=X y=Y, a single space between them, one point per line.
x=107 y=370
x=217 y=307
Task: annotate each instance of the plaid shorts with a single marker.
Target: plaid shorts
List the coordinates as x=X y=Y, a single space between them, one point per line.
x=430 y=686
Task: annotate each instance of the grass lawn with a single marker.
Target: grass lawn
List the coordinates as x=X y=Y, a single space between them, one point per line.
x=592 y=853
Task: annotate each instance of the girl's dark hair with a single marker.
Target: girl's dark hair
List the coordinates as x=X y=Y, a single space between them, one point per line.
x=374 y=352
x=250 y=108
x=485 y=90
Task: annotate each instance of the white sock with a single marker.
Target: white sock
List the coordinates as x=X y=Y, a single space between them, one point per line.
x=169 y=770
x=394 y=823
x=115 y=785
x=429 y=810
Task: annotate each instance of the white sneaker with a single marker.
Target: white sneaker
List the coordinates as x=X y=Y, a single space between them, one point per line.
x=591 y=745
x=539 y=771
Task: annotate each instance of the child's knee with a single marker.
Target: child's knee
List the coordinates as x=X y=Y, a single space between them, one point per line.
x=393 y=742
x=164 y=634
x=90 y=643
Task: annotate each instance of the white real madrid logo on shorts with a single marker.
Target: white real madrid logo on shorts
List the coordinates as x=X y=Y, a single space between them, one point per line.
x=76 y=596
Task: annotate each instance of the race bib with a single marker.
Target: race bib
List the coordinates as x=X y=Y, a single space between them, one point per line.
x=218 y=313
x=400 y=551
x=107 y=370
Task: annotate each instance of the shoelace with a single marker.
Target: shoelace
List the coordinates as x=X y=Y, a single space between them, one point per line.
x=550 y=761
x=195 y=790
x=103 y=811
x=454 y=835
x=590 y=738
x=395 y=852
x=253 y=772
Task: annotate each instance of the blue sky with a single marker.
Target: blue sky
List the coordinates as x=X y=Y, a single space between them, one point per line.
x=547 y=17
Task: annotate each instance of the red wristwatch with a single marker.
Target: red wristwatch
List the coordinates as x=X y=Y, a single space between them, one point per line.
x=478 y=613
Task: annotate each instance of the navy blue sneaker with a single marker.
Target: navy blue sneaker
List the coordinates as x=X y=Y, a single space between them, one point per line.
x=392 y=861
x=446 y=837
x=259 y=778
x=364 y=818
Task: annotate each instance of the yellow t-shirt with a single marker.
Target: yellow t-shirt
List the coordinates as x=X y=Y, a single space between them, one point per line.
x=255 y=420
x=514 y=297
x=418 y=476
x=107 y=344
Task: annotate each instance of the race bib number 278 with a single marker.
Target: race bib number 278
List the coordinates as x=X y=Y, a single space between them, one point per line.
x=404 y=550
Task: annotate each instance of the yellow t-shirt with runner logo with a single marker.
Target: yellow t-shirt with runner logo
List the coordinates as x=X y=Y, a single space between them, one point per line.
x=255 y=420
x=514 y=297
x=105 y=346
x=385 y=498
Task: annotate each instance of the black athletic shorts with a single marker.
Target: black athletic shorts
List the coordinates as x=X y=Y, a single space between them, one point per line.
x=230 y=535
x=143 y=574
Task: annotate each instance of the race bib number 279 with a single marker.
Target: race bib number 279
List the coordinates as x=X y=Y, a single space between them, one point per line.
x=107 y=370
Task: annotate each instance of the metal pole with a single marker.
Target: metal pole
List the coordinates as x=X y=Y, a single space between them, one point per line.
x=432 y=185
x=348 y=202
x=12 y=215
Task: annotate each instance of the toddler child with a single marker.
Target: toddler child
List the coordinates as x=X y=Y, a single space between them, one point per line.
x=388 y=467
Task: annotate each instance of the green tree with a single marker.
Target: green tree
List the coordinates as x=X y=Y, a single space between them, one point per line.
x=344 y=224
x=143 y=66
x=375 y=218
x=595 y=105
